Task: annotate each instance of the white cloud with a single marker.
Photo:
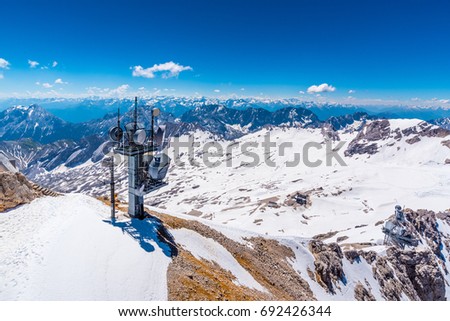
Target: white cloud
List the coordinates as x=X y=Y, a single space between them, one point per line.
x=301 y=92
x=216 y=90
x=444 y=101
x=119 y=91
x=60 y=81
x=4 y=64
x=1 y=76
x=351 y=91
x=47 y=85
x=415 y=99
x=33 y=64
x=38 y=83
x=323 y=88
x=54 y=64
x=167 y=70
x=242 y=89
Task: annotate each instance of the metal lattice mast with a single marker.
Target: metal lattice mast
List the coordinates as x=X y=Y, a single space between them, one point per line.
x=146 y=171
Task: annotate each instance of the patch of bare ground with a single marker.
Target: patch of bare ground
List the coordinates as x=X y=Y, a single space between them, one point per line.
x=191 y=279
x=266 y=260
x=324 y=236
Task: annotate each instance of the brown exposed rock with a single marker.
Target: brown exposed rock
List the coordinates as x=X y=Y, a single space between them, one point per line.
x=391 y=287
x=425 y=225
x=341 y=238
x=352 y=256
x=366 y=141
x=328 y=264
x=428 y=130
x=363 y=294
x=419 y=269
x=413 y=140
x=15 y=190
x=376 y=130
x=446 y=143
x=445 y=216
x=409 y=131
x=369 y=256
x=324 y=236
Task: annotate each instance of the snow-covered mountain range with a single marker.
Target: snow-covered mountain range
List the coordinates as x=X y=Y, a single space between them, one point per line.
x=32 y=135
x=86 y=109
x=320 y=226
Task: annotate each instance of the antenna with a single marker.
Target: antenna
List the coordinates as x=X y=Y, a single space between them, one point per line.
x=155 y=113
x=146 y=168
x=118 y=116
x=135 y=114
x=153 y=130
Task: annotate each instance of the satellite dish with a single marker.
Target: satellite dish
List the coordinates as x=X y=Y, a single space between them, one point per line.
x=156 y=112
x=139 y=137
x=116 y=134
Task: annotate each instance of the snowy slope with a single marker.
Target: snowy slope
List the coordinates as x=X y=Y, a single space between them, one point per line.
x=62 y=249
x=65 y=248
x=342 y=197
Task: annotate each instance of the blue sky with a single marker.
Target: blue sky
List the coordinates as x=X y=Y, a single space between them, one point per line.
x=365 y=51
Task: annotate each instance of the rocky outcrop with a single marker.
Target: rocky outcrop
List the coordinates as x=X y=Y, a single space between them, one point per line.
x=418 y=269
x=391 y=288
x=413 y=140
x=15 y=190
x=365 y=141
x=424 y=129
x=411 y=273
x=328 y=264
x=426 y=226
x=363 y=294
